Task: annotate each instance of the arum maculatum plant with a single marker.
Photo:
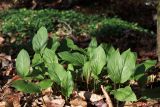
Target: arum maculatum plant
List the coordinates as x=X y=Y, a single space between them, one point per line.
x=46 y=68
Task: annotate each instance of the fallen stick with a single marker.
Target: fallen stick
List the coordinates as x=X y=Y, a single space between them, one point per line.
x=108 y=100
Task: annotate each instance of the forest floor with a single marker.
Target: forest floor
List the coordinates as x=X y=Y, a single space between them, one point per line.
x=144 y=46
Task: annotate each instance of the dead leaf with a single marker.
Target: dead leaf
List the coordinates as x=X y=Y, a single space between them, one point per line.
x=1 y=40
x=78 y=102
x=4 y=56
x=52 y=102
x=13 y=39
x=13 y=100
x=4 y=104
x=5 y=60
x=90 y=96
x=100 y=103
x=47 y=91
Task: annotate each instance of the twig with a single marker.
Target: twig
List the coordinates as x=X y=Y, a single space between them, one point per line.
x=108 y=100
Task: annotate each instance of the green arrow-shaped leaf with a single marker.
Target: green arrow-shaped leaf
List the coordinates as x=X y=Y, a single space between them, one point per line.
x=74 y=58
x=125 y=94
x=40 y=39
x=121 y=67
x=67 y=84
x=50 y=56
x=98 y=60
x=45 y=84
x=26 y=87
x=23 y=63
x=56 y=72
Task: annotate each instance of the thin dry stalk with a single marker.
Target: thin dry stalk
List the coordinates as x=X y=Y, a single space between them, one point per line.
x=108 y=100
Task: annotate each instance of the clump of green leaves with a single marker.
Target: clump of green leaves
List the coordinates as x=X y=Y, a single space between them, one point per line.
x=97 y=60
x=44 y=68
x=113 y=27
x=26 y=22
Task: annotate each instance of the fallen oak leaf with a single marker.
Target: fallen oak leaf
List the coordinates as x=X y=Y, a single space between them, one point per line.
x=78 y=102
x=47 y=91
x=5 y=57
x=100 y=103
x=51 y=102
x=4 y=104
x=97 y=100
x=90 y=96
x=136 y=104
x=5 y=60
x=13 y=100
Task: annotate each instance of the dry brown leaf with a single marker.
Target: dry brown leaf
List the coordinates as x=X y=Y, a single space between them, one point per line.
x=16 y=102
x=90 y=96
x=5 y=60
x=1 y=40
x=136 y=104
x=47 y=91
x=51 y=102
x=13 y=100
x=4 y=104
x=78 y=102
x=5 y=57
x=13 y=39
x=100 y=103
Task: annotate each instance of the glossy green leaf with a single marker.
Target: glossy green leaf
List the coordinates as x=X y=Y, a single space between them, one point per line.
x=36 y=59
x=149 y=63
x=70 y=67
x=56 y=72
x=129 y=65
x=74 y=58
x=142 y=68
x=121 y=67
x=139 y=72
x=49 y=56
x=91 y=47
x=125 y=94
x=26 y=87
x=71 y=45
x=45 y=84
x=55 y=44
x=98 y=60
x=67 y=84
x=87 y=71
x=23 y=63
x=40 y=39
x=109 y=49
x=93 y=43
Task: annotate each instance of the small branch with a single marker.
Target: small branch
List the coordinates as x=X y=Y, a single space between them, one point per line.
x=108 y=100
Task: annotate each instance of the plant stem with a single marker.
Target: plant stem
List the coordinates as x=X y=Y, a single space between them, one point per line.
x=87 y=87
x=94 y=85
x=117 y=100
x=115 y=87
